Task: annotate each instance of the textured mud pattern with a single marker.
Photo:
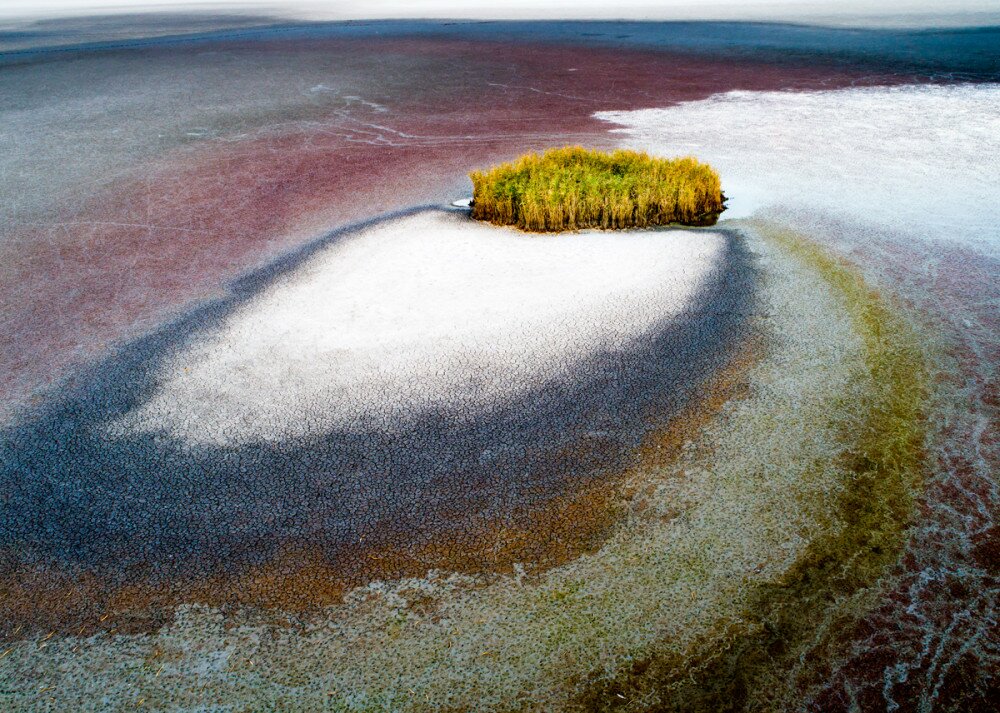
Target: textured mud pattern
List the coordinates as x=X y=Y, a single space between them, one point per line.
x=745 y=468
x=100 y=526
x=694 y=546
x=940 y=602
x=930 y=642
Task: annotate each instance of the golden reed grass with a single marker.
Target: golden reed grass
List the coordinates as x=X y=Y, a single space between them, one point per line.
x=573 y=188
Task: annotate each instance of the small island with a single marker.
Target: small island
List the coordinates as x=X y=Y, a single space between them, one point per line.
x=574 y=188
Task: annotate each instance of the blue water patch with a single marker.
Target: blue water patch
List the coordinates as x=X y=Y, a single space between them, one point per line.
x=966 y=53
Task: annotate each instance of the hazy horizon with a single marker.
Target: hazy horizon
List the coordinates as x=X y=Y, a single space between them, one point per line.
x=906 y=13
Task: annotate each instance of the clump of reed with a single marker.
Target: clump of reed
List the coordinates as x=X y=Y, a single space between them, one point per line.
x=573 y=188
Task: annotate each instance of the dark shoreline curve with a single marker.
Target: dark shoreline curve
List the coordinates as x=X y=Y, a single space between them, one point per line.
x=89 y=524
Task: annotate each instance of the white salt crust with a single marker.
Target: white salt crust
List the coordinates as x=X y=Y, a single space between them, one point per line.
x=718 y=522
x=427 y=312
x=920 y=159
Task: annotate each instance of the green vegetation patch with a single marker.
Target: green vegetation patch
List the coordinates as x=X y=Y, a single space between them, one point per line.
x=784 y=640
x=574 y=188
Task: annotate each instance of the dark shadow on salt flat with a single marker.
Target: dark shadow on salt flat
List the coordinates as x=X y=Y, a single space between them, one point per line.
x=77 y=500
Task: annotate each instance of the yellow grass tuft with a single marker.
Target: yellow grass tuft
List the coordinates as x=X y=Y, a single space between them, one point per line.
x=574 y=188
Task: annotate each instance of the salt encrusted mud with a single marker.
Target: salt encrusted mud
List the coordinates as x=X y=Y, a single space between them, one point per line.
x=339 y=445
x=690 y=564
x=432 y=312
x=886 y=177
x=253 y=145
x=692 y=545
